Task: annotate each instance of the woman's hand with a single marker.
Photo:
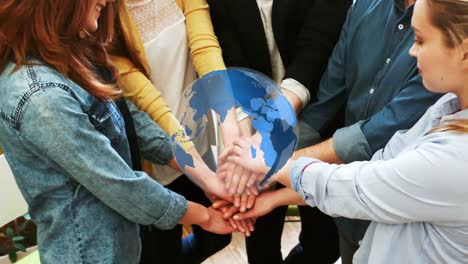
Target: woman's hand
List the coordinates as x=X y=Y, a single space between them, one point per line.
x=216 y=223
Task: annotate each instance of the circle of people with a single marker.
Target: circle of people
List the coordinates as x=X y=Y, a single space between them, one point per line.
x=90 y=90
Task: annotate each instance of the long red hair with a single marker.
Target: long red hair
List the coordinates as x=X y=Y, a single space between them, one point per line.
x=51 y=30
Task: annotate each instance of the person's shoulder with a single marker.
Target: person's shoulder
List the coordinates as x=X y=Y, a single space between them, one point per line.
x=365 y=6
x=31 y=82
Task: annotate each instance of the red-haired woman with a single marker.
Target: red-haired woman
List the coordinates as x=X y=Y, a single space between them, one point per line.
x=65 y=138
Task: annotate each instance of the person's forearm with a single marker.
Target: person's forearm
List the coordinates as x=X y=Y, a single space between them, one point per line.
x=196 y=214
x=323 y=151
x=293 y=99
x=229 y=127
x=282 y=176
x=198 y=174
x=287 y=196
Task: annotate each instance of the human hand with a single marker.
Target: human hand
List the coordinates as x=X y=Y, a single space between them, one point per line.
x=264 y=204
x=245 y=152
x=228 y=210
x=244 y=201
x=216 y=223
x=236 y=163
x=237 y=180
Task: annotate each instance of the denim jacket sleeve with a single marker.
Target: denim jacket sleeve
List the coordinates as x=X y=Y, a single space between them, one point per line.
x=154 y=143
x=68 y=138
x=361 y=140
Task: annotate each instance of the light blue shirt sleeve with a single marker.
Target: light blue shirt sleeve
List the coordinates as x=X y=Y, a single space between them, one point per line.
x=87 y=156
x=411 y=187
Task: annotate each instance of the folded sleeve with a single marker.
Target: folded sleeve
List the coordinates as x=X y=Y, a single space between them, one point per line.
x=407 y=188
x=95 y=163
x=361 y=140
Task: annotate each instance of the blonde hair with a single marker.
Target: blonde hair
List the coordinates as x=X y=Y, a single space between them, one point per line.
x=451 y=17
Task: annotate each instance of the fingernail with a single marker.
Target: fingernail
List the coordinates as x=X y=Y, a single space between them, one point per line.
x=236 y=217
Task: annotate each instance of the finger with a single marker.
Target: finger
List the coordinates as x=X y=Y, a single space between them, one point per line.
x=243 y=226
x=220 y=203
x=243 y=203
x=237 y=201
x=232 y=223
x=253 y=179
x=246 y=215
x=236 y=177
x=253 y=190
x=229 y=174
x=246 y=174
x=247 y=228
x=229 y=151
x=250 y=224
x=251 y=201
x=229 y=213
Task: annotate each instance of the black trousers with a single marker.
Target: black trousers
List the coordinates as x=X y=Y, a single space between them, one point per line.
x=347 y=249
x=318 y=240
x=167 y=246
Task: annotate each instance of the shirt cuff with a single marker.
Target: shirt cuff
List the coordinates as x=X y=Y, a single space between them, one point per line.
x=296 y=174
x=177 y=208
x=298 y=89
x=241 y=115
x=350 y=144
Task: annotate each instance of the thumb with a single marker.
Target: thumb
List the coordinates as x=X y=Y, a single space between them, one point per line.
x=220 y=203
x=245 y=215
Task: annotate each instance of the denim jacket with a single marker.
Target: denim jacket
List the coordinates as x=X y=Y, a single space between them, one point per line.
x=70 y=157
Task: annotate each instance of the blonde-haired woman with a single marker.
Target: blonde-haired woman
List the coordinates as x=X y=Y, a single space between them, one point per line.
x=415 y=189
x=162 y=46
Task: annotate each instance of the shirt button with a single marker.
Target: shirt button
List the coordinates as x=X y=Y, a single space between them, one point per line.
x=359 y=242
x=400 y=27
x=388 y=60
x=371 y=91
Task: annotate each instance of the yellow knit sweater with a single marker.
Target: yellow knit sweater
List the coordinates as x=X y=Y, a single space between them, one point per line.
x=134 y=69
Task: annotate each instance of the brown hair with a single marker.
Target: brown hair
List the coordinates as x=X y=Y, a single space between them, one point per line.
x=51 y=30
x=451 y=17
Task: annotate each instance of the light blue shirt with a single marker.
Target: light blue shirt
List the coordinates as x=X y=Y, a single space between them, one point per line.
x=415 y=192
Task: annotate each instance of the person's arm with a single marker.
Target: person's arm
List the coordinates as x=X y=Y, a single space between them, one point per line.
x=425 y=184
x=138 y=89
x=206 y=218
x=204 y=47
x=200 y=173
x=206 y=53
x=361 y=140
x=324 y=151
x=312 y=49
x=95 y=163
x=268 y=201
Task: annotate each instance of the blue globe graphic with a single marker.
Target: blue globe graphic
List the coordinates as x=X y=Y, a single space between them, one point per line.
x=270 y=113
